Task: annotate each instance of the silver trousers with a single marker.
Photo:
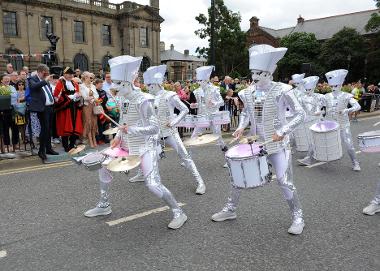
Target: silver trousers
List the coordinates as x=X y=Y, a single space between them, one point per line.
x=149 y=167
x=281 y=162
x=176 y=143
x=345 y=134
x=376 y=199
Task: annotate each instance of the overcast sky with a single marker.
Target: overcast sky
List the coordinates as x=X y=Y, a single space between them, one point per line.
x=179 y=25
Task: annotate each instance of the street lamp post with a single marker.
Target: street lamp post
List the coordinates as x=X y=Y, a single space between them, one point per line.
x=212 y=38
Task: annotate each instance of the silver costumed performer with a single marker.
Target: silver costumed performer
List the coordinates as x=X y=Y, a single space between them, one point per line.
x=209 y=101
x=374 y=206
x=140 y=136
x=165 y=103
x=265 y=105
x=336 y=109
x=311 y=103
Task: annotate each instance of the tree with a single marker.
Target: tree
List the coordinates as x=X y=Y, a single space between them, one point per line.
x=231 y=54
x=374 y=22
x=345 y=50
x=302 y=48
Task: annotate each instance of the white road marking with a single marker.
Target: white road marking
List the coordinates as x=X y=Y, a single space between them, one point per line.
x=316 y=164
x=136 y=216
x=368 y=118
x=3 y=253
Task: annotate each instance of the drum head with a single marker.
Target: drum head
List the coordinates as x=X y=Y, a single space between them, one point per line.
x=243 y=150
x=93 y=158
x=324 y=126
x=370 y=134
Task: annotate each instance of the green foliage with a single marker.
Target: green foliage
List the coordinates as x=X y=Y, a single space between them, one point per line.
x=5 y=91
x=373 y=23
x=231 y=53
x=345 y=50
x=302 y=48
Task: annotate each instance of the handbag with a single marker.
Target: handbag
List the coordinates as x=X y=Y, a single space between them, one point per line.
x=97 y=110
x=19 y=120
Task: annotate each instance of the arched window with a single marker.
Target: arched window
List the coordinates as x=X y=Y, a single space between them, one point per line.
x=16 y=61
x=145 y=64
x=105 y=65
x=81 y=62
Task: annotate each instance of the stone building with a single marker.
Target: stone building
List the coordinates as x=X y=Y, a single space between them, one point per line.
x=181 y=66
x=323 y=28
x=90 y=31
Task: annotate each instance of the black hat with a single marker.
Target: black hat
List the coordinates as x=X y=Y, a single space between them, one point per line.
x=68 y=70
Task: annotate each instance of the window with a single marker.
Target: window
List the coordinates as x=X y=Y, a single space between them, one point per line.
x=16 y=60
x=106 y=34
x=144 y=37
x=79 y=31
x=10 y=24
x=81 y=62
x=105 y=65
x=46 y=26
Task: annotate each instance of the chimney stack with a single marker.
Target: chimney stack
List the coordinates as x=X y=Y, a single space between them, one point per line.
x=172 y=47
x=300 y=20
x=186 y=52
x=254 y=22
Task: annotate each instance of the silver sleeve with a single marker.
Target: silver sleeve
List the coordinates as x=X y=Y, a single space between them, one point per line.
x=292 y=103
x=355 y=106
x=183 y=110
x=151 y=127
x=218 y=100
x=243 y=119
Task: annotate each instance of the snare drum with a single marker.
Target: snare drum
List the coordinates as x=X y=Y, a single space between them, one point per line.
x=302 y=136
x=187 y=122
x=248 y=167
x=369 y=141
x=221 y=117
x=201 y=121
x=93 y=161
x=327 y=141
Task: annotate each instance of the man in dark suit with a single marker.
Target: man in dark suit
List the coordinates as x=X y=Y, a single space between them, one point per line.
x=42 y=102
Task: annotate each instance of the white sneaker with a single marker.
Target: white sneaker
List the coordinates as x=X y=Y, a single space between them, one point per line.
x=97 y=211
x=356 y=167
x=201 y=189
x=296 y=228
x=223 y=215
x=371 y=209
x=305 y=161
x=225 y=165
x=136 y=179
x=177 y=222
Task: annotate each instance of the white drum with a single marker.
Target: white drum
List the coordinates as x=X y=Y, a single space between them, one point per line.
x=202 y=121
x=369 y=142
x=327 y=141
x=302 y=135
x=187 y=122
x=221 y=117
x=93 y=161
x=248 y=166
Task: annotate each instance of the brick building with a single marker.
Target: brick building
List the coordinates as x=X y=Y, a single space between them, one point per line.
x=90 y=31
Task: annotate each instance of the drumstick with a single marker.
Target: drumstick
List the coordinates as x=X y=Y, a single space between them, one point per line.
x=234 y=140
x=114 y=122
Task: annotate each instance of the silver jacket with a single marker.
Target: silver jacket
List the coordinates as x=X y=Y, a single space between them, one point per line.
x=312 y=105
x=209 y=100
x=143 y=124
x=266 y=110
x=336 y=107
x=165 y=103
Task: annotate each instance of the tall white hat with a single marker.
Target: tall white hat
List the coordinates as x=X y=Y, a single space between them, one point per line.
x=336 y=78
x=125 y=68
x=297 y=78
x=264 y=57
x=155 y=75
x=310 y=82
x=204 y=73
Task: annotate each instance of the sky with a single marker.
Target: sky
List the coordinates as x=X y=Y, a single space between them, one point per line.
x=180 y=24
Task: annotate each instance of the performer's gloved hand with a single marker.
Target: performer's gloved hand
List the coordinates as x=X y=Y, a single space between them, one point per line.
x=238 y=133
x=169 y=125
x=115 y=143
x=277 y=138
x=124 y=128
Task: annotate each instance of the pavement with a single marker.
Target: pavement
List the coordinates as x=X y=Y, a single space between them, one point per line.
x=42 y=226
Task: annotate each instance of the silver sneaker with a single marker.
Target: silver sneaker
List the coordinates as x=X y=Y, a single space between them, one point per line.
x=305 y=161
x=137 y=178
x=296 y=228
x=223 y=215
x=177 y=221
x=201 y=189
x=371 y=209
x=98 y=211
x=356 y=167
